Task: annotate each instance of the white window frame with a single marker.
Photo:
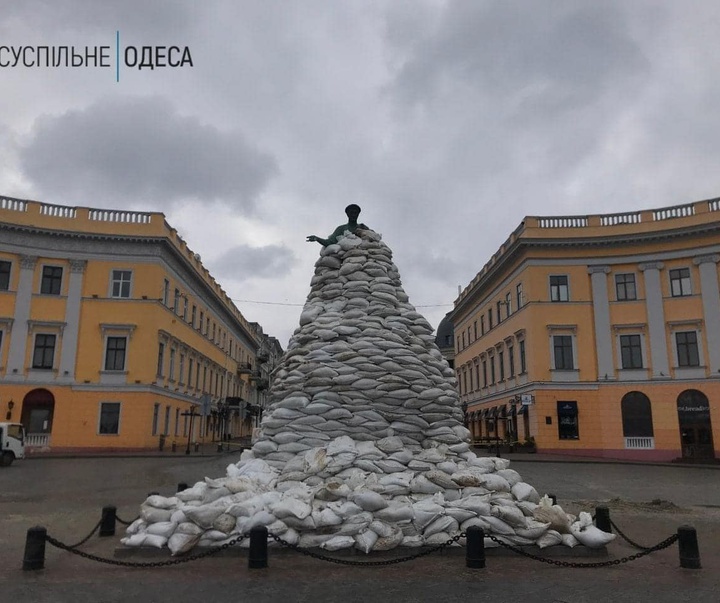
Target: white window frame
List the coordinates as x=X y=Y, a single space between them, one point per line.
x=105 y=354
x=681 y=280
x=111 y=290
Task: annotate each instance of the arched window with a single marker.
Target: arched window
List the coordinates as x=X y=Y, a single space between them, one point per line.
x=636 y=415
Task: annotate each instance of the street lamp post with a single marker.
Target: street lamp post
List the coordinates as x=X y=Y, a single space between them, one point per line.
x=189 y=413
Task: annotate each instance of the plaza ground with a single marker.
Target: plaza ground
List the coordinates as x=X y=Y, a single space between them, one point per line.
x=647 y=502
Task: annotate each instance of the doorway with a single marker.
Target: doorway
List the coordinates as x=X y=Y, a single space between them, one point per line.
x=696 y=437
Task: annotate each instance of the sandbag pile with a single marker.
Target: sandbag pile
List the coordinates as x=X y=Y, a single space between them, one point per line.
x=362 y=444
x=362 y=363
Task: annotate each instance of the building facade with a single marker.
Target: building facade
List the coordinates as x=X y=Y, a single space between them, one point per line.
x=114 y=336
x=598 y=335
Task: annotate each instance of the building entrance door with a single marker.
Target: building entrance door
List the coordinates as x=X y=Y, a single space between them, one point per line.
x=695 y=425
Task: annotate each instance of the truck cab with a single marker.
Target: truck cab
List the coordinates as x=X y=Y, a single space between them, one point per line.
x=12 y=443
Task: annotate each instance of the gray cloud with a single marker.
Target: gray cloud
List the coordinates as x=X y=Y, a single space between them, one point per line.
x=140 y=150
x=243 y=262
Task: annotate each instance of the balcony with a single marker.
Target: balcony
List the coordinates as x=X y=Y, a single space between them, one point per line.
x=244 y=368
x=640 y=443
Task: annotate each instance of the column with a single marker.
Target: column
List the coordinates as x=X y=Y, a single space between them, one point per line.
x=18 y=339
x=601 y=312
x=710 y=291
x=656 y=319
x=68 y=352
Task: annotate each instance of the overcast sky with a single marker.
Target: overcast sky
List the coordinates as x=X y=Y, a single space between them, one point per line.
x=446 y=121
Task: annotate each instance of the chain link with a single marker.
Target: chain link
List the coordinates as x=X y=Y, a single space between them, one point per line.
x=624 y=537
x=178 y=561
x=658 y=547
x=84 y=540
x=384 y=562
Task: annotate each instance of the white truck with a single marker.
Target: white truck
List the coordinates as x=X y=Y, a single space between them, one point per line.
x=12 y=443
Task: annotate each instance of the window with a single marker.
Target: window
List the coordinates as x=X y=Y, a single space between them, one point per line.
x=176 y=301
x=190 y=371
x=490 y=319
x=5 y=275
x=121 y=280
x=511 y=360
x=559 y=291
x=567 y=421
x=185 y=308
x=563 y=352
x=501 y=364
x=631 y=351
x=51 y=280
x=181 y=369
x=44 y=352
x=477 y=374
x=636 y=415
x=492 y=370
x=523 y=366
x=166 y=292
x=687 y=348
x=519 y=295
x=463 y=340
x=156 y=413
x=475 y=329
x=166 y=428
x=202 y=320
x=680 y=282
x=177 y=421
x=193 y=315
x=482 y=325
x=499 y=311
x=115 y=353
x=109 y=423
x=161 y=359
x=508 y=304
x=625 y=287
x=484 y=365
x=171 y=375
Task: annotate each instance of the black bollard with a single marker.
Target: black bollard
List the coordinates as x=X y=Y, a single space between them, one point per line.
x=602 y=519
x=34 y=558
x=107 y=521
x=475 y=547
x=553 y=498
x=688 y=547
x=182 y=486
x=258 y=557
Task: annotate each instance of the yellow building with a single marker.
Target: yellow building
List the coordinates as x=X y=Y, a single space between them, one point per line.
x=598 y=335
x=113 y=333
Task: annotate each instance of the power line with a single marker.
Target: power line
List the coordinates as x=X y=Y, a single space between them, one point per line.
x=269 y=303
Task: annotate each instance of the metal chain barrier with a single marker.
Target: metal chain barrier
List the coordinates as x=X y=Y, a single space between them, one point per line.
x=624 y=537
x=178 y=561
x=84 y=540
x=384 y=562
x=658 y=547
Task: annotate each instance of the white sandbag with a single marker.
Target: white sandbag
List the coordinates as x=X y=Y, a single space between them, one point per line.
x=345 y=509
x=365 y=541
x=533 y=529
x=477 y=504
x=154 y=540
x=426 y=511
x=290 y=507
x=189 y=528
x=510 y=515
x=483 y=462
x=437 y=538
x=444 y=523
x=459 y=514
x=441 y=479
x=369 y=501
x=153 y=515
x=161 y=502
x=412 y=541
x=495 y=482
x=194 y=493
x=178 y=516
x=500 y=463
x=134 y=539
x=224 y=523
x=546 y=512
x=162 y=528
x=512 y=476
x=523 y=491
x=139 y=525
x=325 y=518
x=337 y=543
x=395 y=513
x=588 y=534
x=389 y=542
x=204 y=515
x=182 y=543
x=569 y=540
x=423 y=485
x=549 y=538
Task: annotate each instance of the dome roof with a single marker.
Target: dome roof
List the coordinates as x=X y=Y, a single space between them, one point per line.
x=445 y=333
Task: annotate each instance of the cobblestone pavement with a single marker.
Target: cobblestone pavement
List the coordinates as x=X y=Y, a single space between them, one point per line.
x=66 y=495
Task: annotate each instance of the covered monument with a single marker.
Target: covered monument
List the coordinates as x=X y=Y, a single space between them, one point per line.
x=362 y=444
